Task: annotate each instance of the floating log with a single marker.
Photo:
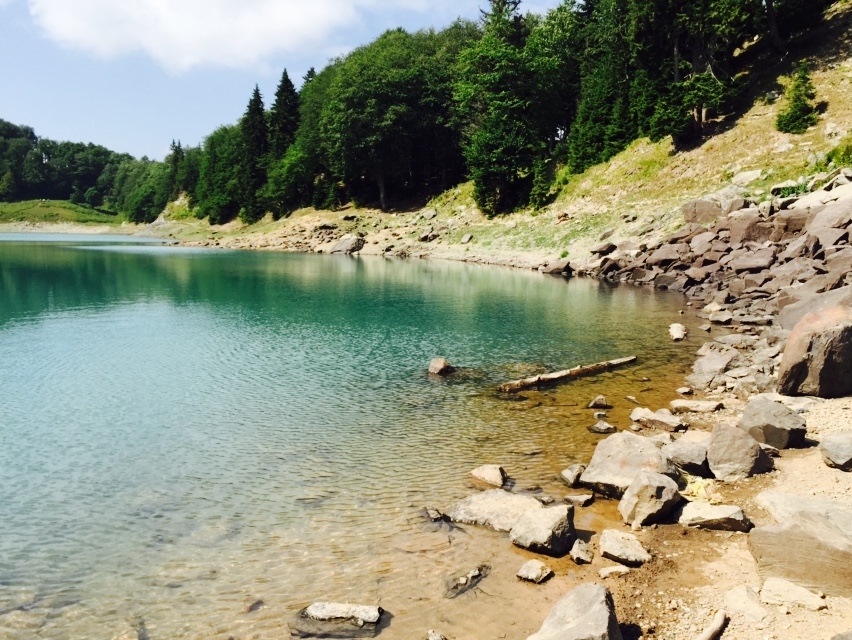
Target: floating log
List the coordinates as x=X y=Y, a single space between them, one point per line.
x=560 y=376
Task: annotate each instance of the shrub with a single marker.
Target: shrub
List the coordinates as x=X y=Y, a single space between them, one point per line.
x=800 y=112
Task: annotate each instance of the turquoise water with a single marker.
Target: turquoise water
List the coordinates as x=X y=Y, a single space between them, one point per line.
x=185 y=432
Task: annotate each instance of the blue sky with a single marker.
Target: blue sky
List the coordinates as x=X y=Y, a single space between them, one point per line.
x=134 y=74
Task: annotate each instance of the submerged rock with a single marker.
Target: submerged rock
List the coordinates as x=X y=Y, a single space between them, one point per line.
x=602 y=427
x=585 y=613
x=600 y=403
x=496 y=509
x=662 y=419
x=492 y=474
x=356 y=614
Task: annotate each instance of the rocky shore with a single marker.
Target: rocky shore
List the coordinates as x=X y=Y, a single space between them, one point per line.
x=737 y=507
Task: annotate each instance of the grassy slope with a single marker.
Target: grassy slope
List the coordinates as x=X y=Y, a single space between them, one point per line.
x=52 y=211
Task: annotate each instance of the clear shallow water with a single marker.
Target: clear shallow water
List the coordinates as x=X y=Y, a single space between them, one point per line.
x=185 y=432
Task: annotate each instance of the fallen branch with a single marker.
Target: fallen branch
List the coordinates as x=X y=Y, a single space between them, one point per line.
x=560 y=376
x=716 y=627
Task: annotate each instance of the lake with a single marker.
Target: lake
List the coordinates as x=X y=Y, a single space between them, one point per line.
x=188 y=432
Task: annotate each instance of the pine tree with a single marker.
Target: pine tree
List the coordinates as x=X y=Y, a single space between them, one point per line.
x=255 y=148
x=7 y=187
x=800 y=112
x=283 y=118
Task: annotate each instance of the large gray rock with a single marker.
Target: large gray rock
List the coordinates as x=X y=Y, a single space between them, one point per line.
x=800 y=301
x=623 y=547
x=586 y=613
x=348 y=244
x=496 y=509
x=734 y=455
x=689 y=457
x=548 y=531
x=702 y=515
x=773 y=423
x=710 y=366
x=818 y=357
x=649 y=498
x=571 y=475
x=662 y=419
x=811 y=546
x=617 y=460
x=836 y=450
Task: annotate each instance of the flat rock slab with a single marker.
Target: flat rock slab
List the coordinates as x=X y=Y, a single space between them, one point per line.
x=783 y=592
x=735 y=455
x=585 y=613
x=745 y=601
x=649 y=499
x=338 y=620
x=358 y=614
x=662 y=419
x=492 y=474
x=617 y=460
x=836 y=450
x=623 y=547
x=535 y=571
x=817 y=532
x=773 y=423
x=696 y=406
x=496 y=509
x=702 y=515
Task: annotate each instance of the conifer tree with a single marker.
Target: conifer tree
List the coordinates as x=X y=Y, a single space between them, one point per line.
x=283 y=118
x=800 y=112
x=255 y=148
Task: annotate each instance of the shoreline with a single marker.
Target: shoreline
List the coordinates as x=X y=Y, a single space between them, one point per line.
x=667 y=599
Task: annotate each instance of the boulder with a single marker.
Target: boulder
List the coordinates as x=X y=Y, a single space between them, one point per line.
x=467 y=238
x=441 y=367
x=710 y=365
x=818 y=357
x=696 y=406
x=649 y=498
x=586 y=613
x=560 y=267
x=662 y=419
x=702 y=515
x=348 y=244
x=799 y=301
x=491 y=474
x=535 y=571
x=689 y=457
x=496 y=509
x=549 y=531
x=623 y=547
x=602 y=427
x=600 y=403
x=836 y=450
x=571 y=475
x=734 y=455
x=580 y=553
x=701 y=211
x=773 y=423
x=617 y=460
x=811 y=546
x=677 y=331
x=783 y=592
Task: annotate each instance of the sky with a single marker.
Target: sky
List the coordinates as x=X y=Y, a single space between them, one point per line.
x=133 y=75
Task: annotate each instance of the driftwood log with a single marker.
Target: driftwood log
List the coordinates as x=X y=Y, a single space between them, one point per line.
x=562 y=376
x=716 y=627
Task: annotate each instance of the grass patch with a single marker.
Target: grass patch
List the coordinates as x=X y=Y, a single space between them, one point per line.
x=53 y=211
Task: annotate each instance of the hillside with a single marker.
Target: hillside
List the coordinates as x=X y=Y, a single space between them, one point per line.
x=637 y=193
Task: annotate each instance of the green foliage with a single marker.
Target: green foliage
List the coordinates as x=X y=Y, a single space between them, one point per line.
x=800 y=113
x=841 y=155
x=283 y=118
x=218 y=183
x=252 y=165
x=7 y=187
x=53 y=211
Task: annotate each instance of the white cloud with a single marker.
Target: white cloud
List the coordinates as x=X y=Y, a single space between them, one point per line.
x=183 y=34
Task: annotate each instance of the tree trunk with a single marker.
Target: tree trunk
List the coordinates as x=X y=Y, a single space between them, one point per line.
x=383 y=200
x=774 y=34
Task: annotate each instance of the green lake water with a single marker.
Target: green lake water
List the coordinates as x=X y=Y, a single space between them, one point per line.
x=186 y=432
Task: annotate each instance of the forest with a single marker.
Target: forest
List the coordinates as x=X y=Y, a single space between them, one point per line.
x=503 y=102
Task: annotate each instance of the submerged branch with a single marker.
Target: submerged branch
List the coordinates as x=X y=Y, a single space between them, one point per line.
x=561 y=376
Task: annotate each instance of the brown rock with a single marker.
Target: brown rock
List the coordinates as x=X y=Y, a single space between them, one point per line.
x=701 y=211
x=818 y=356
